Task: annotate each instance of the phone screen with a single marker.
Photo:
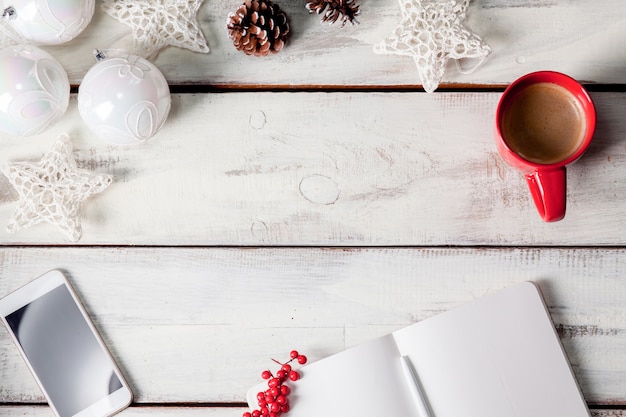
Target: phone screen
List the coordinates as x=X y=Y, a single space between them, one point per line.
x=63 y=352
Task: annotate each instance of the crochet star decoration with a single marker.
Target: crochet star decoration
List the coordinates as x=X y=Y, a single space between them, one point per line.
x=159 y=23
x=53 y=190
x=431 y=32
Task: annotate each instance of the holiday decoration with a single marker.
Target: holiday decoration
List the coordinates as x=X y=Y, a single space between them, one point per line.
x=124 y=99
x=53 y=190
x=274 y=401
x=34 y=90
x=159 y=23
x=333 y=10
x=258 y=27
x=46 y=22
x=431 y=33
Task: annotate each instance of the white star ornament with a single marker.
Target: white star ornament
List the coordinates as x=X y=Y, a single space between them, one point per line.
x=53 y=190
x=159 y=23
x=431 y=33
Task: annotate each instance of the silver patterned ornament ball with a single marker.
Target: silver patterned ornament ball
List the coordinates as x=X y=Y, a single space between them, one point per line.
x=124 y=99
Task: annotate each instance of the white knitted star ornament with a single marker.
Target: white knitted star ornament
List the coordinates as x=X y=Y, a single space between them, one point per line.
x=431 y=32
x=53 y=190
x=159 y=23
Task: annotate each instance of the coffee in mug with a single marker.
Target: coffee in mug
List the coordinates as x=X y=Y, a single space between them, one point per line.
x=545 y=120
x=544 y=123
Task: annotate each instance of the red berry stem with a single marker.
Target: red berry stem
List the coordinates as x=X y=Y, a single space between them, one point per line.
x=273 y=402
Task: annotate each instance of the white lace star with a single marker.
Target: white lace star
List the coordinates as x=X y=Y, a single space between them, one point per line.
x=53 y=190
x=159 y=23
x=431 y=32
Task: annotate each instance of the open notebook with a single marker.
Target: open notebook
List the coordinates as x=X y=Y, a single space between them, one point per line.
x=498 y=356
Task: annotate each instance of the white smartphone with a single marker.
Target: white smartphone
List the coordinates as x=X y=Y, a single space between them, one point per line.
x=63 y=349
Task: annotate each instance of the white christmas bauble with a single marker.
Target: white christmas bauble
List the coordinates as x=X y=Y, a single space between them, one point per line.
x=49 y=22
x=124 y=100
x=34 y=90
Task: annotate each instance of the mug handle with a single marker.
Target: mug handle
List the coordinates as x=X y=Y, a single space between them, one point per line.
x=547 y=188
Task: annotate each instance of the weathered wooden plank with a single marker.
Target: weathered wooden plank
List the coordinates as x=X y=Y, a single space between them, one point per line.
x=580 y=38
x=329 y=169
x=217 y=316
x=41 y=411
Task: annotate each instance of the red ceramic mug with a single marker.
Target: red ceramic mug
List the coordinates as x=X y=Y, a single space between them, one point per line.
x=544 y=121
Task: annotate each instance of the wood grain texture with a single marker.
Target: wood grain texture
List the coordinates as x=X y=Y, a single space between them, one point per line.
x=203 y=411
x=192 y=322
x=584 y=39
x=40 y=411
x=216 y=316
x=329 y=169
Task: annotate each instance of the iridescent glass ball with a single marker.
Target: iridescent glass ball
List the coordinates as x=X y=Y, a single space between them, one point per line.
x=34 y=90
x=48 y=22
x=124 y=100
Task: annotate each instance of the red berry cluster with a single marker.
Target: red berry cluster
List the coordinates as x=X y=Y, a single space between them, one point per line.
x=273 y=401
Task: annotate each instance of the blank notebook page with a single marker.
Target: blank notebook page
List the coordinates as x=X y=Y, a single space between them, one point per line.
x=496 y=357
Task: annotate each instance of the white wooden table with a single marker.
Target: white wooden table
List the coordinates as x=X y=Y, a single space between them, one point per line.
x=319 y=198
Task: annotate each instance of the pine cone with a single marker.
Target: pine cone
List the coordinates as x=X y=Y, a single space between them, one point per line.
x=258 y=27
x=333 y=10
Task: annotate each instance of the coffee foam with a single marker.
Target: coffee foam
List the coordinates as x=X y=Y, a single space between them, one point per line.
x=544 y=123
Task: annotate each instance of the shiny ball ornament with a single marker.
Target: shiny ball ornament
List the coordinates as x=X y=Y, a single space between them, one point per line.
x=48 y=22
x=125 y=99
x=34 y=90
